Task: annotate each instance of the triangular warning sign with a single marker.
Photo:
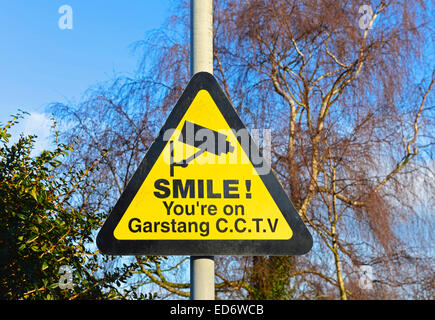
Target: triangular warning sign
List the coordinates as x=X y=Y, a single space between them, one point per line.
x=203 y=188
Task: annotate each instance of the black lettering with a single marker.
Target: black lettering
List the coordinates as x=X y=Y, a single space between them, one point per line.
x=191 y=212
x=228 y=209
x=203 y=206
x=200 y=189
x=159 y=185
x=212 y=210
x=273 y=228
x=257 y=221
x=178 y=209
x=228 y=187
x=218 y=227
x=173 y=225
x=168 y=208
x=241 y=207
x=204 y=227
x=194 y=224
x=137 y=227
x=210 y=193
x=156 y=224
x=236 y=225
x=147 y=227
x=181 y=226
x=164 y=226
x=188 y=188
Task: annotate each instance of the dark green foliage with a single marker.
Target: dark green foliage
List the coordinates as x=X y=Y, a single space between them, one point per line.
x=42 y=228
x=270 y=278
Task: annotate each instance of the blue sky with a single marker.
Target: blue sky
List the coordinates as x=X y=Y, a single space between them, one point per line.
x=41 y=63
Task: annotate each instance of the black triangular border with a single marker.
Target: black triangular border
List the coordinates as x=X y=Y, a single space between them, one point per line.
x=300 y=243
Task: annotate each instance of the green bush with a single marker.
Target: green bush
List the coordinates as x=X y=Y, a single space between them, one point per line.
x=41 y=230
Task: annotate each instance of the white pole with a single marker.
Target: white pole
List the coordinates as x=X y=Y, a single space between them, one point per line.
x=202 y=278
x=201 y=36
x=201 y=59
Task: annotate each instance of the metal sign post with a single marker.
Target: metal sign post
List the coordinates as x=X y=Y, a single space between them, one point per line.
x=201 y=59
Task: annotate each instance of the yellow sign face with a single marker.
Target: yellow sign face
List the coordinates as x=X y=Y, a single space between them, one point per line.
x=203 y=186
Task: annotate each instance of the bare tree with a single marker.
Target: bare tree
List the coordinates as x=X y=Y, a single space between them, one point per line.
x=347 y=134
